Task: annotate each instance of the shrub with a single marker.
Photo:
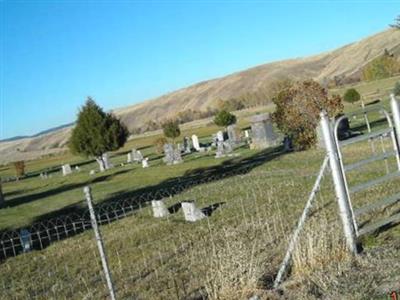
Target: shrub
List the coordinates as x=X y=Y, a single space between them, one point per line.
x=171 y=129
x=351 y=96
x=159 y=144
x=396 y=89
x=224 y=118
x=298 y=108
x=19 y=168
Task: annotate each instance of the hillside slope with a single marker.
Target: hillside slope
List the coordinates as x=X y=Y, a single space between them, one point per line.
x=345 y=61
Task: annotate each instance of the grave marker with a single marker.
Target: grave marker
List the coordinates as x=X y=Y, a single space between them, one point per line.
x=66 y=169
x=25 y=238
x=195 y=141
x=191 y=212
x=159 y=209
x=263 y=135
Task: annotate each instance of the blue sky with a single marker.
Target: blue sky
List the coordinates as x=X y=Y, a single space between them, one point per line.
x=56 y=53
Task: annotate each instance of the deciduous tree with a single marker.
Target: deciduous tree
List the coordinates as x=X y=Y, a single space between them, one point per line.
x=298 y=108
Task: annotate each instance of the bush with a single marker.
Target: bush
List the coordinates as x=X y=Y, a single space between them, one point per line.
x=396 y=89
x=171 y=129
x=159 y=145
x=351 y=96
x=224 y=118
x=19 y=168
x=298 y=108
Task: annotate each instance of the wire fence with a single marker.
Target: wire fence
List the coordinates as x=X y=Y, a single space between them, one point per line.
x=42 y=234
x=169 y=258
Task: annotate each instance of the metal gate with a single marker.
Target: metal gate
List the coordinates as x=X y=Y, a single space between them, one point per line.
x=391 y=132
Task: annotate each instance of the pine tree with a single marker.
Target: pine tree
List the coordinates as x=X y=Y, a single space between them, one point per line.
x=224 y=118
x=96 y=132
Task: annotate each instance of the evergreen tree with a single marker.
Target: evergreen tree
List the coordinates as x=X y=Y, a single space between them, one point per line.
x=397 y=23
x=351 y=96
x=224 y=118
x=96 y=132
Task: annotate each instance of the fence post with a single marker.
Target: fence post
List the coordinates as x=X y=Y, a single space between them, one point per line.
x=99 y=240
x=395 y=106
x=338 y=181
x=300 y=224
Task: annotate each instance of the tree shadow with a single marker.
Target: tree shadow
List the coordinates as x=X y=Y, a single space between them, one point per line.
x=375 y=123
x=33 y=197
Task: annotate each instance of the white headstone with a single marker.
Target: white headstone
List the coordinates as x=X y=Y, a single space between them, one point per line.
x=220 y=136
x=77 y=168
x=159 y=209
x=145 y=162
x=66 y=169
x=191 y=212
x=106 y=160
x=246 y=134
x=195 y=141
x=92 y=172
x=129 y=158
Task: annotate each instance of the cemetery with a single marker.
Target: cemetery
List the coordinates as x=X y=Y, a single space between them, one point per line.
x=161 y=151
x=165 y=212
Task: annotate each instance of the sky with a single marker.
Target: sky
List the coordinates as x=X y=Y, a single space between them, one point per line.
x=56 y=53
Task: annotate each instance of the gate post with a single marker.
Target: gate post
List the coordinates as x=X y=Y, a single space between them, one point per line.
x=338 y=181
x=395 y=106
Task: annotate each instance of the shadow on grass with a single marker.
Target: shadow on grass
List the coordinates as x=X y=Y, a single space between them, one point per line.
x=373 y=124
x=61 y=189
x=124 y=203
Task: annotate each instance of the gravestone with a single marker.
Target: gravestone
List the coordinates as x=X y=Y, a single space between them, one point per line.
x=186 y=145
x=77 y=169
x=195 y=141
x=287 y=144
x=66 y=169
x=227 y=147
x=191 y=212
x=129 y=158
x=137 y=156
x=107 y=163
x=220 y=150
x=220 y=136
x=159 y=209
x=246 y=134
x=232 y=134
x=145 y=162
x=223 y=148
x=263 y=135
x=214 y=140
x=177 y=156
x=25 y=238
x=92 y=172
x=169 y=154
